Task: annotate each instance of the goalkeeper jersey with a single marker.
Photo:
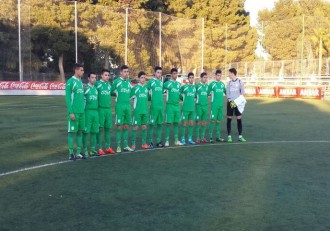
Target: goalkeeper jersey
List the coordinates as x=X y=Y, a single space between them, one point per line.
x=139 y=94
x=188 y=93
x=201 y=94
x=217 y=90
x=122 y=89
x=91 y=97
x=173 y=92
x=235 y=88
x=155 y=88
x=74 y=95
x=104 y=93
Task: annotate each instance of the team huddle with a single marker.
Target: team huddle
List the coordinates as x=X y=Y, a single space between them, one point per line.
x=90 y=110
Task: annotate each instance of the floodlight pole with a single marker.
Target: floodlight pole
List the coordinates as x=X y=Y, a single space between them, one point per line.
x=160 y=39
x=20 y=66
x=203 y=40
x=76 y=29
x=302 y=46
x=226 y=44
x=126 y=37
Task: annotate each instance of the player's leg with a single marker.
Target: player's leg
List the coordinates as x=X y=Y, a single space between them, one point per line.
x=81 y=127
x=144 y=121
x=184 y=118
x=198 y=122
x=86 y=134
x=191 y=118
x=107 y=135
x=203 y=124
x=176 y=122
x=126 y=122
x=152 y=122
x=213 y=115
x=99 y=136
x=239 y=126
x=218 y=125
x=72 y=130
x=159 y=129
x=230 y=113
x=169 y=122
x=119 y=127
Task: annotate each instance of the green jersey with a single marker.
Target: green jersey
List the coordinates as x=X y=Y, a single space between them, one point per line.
x=201 y=94
x=122 y=89
x=139 y=94
x=217 y=91
x=173 y=92
x=91 y=97
x=155 y=88
x=104 y=93
x=188 y=93
x=74 y=95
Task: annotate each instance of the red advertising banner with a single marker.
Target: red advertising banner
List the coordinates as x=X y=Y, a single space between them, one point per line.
x=267 y=91
x=17 y=85
x=251 y=91
x=288 y=92
x=311 y=93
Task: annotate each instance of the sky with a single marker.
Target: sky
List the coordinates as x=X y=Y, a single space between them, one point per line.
x=253 y=6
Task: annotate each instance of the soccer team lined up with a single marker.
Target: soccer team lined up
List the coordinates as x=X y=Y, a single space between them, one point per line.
x=90 y=110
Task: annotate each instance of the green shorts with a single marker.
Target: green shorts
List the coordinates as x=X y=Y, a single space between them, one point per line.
x=156 y=116
x=188 y=115
x=216 y=113
x=92 y=123
x=123 y=114
x=78 y=124
x=201 y=112
x=172 y=114
x=139 y=119
x=105 y=117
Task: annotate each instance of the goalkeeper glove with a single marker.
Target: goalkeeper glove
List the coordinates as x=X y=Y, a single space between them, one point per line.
x=232 y=104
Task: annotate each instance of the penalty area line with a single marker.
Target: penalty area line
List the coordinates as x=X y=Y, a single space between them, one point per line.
x=172 y=147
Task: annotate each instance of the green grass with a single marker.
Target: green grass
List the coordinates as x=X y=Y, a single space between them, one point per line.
x=250 y=186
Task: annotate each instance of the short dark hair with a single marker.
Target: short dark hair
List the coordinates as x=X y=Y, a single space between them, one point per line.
x=218 y=71
x=203 y=74
x=123 y=67
x=233 y=70
x=91 y=73
x=77 y=66
x=174 y=70
x=141 y=73
x=190 y=73
x=158 y=68
x=105 y=70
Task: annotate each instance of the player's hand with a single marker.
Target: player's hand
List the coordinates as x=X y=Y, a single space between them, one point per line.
x=72 y=117
x=232 y=104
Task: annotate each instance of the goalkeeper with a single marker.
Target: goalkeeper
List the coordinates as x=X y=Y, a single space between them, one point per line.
x=235 y=88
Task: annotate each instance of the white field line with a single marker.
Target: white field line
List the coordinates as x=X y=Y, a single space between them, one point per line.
x=173 y=147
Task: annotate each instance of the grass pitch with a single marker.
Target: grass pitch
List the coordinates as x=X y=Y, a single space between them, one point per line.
x=275 y=181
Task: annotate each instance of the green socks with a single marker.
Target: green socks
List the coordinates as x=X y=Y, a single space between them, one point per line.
x=107 y=137
x=218 y=130
x=197 y=131
x=159 y=132
x=125 y=136
x=85 y=141
x=79 y=138
x=93 y=141
x=133 y=137
x=167 y=132
x=211 y=129
x=190 y=132
x=99 y=138
x=176 y=131
x=118 y=137
x=151 y=129
x=144 y=136
x=203 y=131
x=183 y=132
x=70 y=142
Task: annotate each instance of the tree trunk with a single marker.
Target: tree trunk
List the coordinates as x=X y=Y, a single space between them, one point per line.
x=60 y=67
x=320 y=56
x=106 y=60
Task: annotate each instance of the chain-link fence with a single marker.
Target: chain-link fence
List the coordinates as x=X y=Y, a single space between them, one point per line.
x=41 y=40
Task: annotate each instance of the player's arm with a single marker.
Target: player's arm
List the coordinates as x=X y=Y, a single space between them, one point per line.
x=114 y=88
x=228 y=91
x=68 y=91
x=209 y=89
x=242 y=88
